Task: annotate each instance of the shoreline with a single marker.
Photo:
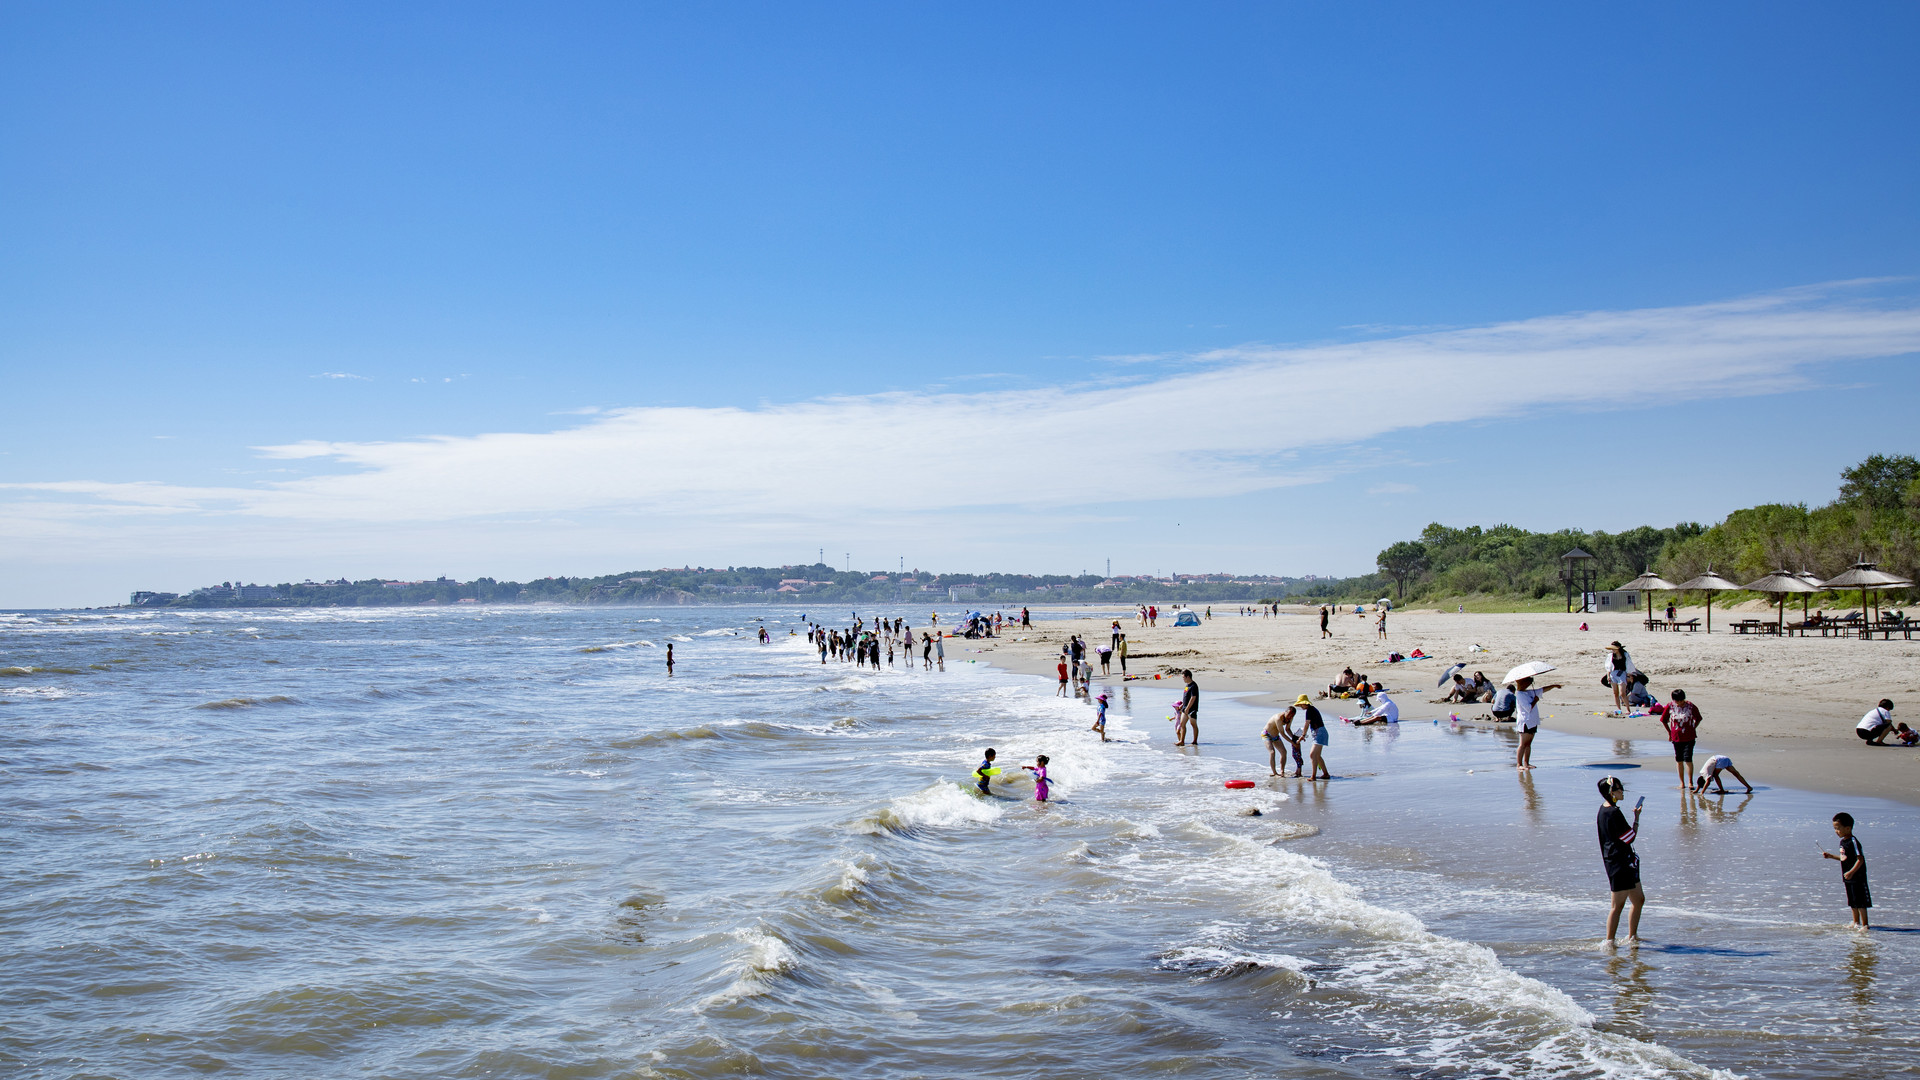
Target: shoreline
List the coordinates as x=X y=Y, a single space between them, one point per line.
x=1783 y=709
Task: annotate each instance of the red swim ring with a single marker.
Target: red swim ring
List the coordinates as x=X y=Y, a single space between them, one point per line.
x=1239 y=783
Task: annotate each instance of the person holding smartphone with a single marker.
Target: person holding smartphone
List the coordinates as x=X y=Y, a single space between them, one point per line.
x=1616 y=854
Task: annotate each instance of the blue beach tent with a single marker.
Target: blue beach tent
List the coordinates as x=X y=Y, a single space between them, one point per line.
x=1187 y=618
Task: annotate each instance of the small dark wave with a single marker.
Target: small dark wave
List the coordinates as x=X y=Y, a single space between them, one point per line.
x=248 y=703
x=23 y=672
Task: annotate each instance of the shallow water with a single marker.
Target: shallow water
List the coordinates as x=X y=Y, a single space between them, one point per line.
x=500 y=842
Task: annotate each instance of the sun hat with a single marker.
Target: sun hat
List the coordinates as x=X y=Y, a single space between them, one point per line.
x=1302 y=700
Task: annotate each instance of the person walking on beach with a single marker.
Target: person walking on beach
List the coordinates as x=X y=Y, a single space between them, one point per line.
x=1381 y=625
x=1325 y=614
x=1620 y=672
x=1189 y=711
x=940 y=649
x=926 y=649
x=1526 y=701
x=1026 y=618
x=1617 y=856
x=1874 y=727
x=1100 y=716
x=669 y=659
x=1120 y=649
x=1061 y=667
x=1853 y=868
x=1682 y=721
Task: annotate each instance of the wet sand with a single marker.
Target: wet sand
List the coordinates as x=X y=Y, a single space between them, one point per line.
x=1783 y=709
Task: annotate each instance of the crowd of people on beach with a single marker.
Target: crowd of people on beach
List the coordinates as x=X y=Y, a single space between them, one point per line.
x=1302 y=726
x=862 y=644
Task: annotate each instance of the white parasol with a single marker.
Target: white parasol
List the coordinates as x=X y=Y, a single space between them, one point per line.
x=1528 y=670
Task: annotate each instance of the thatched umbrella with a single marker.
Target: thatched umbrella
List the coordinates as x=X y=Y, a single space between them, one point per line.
x=1780 y=583
x=1864 y=576
x=1708 y=583
x=1647 y=583
x=1806 y=601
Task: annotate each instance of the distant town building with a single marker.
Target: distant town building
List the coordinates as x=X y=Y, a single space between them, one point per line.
x=962 y=592
x=152 y=599
x=256 y=592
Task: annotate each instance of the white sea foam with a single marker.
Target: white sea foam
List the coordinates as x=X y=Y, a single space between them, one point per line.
x=942 y=804
x=1450 y=985
x=762 y=958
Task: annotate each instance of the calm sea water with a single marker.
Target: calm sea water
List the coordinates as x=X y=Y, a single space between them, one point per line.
x=502 y=843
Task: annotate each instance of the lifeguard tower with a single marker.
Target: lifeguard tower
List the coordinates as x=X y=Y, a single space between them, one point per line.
x=1576 y=570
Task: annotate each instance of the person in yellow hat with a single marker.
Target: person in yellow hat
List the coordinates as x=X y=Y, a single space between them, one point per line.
x=1314 y=728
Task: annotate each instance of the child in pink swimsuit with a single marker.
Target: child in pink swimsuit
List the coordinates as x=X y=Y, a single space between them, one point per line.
x=1039 y=771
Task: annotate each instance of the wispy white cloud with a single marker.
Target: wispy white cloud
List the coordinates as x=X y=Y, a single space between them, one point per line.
x=1392 y=487
x=1240 y=420
x=341 y=375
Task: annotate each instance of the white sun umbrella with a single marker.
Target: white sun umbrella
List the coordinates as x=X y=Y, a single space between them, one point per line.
x=1528 y=670
x=1780 y=583
x=1864 y=576
x=1708 y=583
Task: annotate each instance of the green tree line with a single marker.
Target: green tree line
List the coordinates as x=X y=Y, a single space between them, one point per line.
x=1875 y=518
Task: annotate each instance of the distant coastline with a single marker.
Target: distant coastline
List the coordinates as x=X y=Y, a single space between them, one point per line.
x=817 y=584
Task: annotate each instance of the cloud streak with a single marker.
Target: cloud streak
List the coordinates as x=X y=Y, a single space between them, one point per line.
x=1236 y=420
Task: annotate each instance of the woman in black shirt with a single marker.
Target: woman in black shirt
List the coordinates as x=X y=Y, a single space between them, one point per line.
x=1616 y=854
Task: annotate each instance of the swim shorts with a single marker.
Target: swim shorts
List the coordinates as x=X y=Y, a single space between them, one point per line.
x=1868 y=733
x=1320 y=735
x=1683 y=751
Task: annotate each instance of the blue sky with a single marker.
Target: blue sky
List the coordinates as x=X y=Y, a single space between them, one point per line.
x=520 y=290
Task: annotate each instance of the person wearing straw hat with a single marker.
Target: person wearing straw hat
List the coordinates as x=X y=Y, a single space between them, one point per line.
x=1315 y=728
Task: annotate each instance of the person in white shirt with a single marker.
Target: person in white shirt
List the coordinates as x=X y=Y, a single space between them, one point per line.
x=1384 y=712
x=1527 y=715
x=1874 y=727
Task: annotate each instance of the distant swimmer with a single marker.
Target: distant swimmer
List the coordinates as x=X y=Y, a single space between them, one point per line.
x=669 y=659
x=1039 y=771
x=985 y=770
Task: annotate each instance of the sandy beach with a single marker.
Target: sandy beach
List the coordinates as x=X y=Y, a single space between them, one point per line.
x=1783 y=709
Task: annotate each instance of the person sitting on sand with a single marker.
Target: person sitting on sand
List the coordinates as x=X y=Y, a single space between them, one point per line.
x=1906 y=735
x=1639 y=696
x=1462 y=692
x=1343 y=686
x=1482 y=687
x=1715 y=766
x=1505 y=703
x=1386 y=712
